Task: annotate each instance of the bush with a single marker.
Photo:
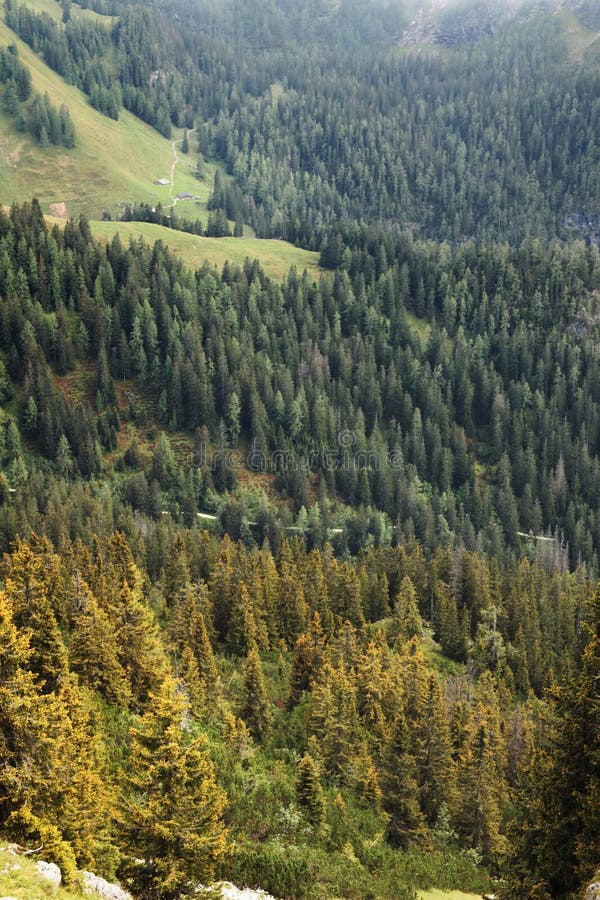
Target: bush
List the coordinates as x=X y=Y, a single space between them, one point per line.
x=282 y=871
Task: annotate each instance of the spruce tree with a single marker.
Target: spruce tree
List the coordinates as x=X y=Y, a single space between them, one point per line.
x=406 y=622
x=171 y=817
x=94 y=651
x=255 y=707
x=140 y=651
x=558 y=834
x=309 y=789
x=482 y=791
x=200 y=646
x=309 y=654
x=85 y=795
x=335 y=724
x=193 y=683
x=400 y=791
x=27 y=589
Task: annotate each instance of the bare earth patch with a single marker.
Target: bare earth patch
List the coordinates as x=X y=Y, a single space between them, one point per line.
x=60 y=210
x=15 y=155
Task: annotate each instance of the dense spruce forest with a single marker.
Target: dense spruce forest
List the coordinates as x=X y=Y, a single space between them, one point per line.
x=487 y=426
x=299 y=577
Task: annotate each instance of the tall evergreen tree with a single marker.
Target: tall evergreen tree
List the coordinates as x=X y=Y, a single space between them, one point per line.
x=309 y=790
x=255 y=707
x=171 y=820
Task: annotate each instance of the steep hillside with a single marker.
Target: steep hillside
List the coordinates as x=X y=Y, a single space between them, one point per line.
x=113 y=163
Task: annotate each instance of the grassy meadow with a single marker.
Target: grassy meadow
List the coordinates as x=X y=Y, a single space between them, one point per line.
x=276 y=257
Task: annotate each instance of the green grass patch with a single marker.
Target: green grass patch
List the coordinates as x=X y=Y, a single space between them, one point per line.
x=434 y=656
x=116 y=163
x=421 y=326
x=54 y=10
x=19 y=878
x=276 y=257
x=582 y=42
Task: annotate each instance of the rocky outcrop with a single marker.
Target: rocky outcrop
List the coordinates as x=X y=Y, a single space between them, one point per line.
x=93 y=884
x=50 y=872
x=224 y=890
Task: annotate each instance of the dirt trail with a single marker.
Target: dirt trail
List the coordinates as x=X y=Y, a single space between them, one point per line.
x=176 y=160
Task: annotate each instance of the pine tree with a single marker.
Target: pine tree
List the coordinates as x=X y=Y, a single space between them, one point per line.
x=200 y=646
x=400 y=791
x=243 y=630
x=19 y=722
x=177 y=574
x=436 y=772
x=32 y=728
x=140 y=650
x=94 y=651
x=255 y=707
x=85 y=797
x=10 y=101
x=371 y=792
x=406 y=622
x=171 y=818
x=377 y=694
x=309 y=789
x=482 y=790
x=335 y=724
x=559 y=833
x=292 y=609
x=193 y=683
x=309 y=654
x=344 y=593
x=27 y=590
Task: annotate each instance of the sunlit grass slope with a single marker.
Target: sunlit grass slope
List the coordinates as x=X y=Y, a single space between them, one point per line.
x=276 y=257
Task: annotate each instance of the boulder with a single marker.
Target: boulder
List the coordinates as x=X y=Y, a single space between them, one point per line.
x=593 y=891
x=50 y=872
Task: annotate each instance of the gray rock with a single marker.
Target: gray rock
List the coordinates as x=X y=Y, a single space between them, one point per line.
x=50 y=872
x=593 y=891
x=224 y=890
x=93 y=884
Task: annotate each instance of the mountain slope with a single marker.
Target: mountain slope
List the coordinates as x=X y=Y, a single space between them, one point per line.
x=114 y=162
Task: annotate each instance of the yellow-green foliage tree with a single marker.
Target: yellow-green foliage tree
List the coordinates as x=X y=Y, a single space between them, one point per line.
x=400 y=791
x=94 y=651
x=27 y=587
x=310 y=790
x=171 y=817
x=51 y=788
x=255 y=708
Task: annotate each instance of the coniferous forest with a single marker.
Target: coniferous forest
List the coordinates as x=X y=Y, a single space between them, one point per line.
x=299 y=583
